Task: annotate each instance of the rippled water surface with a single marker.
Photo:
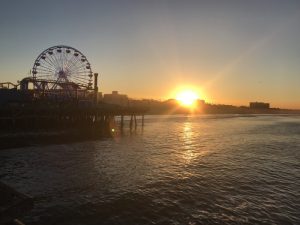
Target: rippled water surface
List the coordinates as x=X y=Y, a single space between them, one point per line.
x=177 y=170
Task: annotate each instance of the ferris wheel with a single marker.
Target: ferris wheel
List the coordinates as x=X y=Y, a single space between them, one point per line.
x=61 y=65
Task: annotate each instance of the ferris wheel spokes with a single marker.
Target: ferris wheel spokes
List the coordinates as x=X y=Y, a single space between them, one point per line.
x=66 y=67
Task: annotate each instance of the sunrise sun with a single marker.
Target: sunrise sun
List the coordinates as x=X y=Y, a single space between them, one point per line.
x=187 y=98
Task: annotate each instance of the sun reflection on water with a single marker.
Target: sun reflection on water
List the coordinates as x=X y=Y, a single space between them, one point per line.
x=188 y=142
x=192 y=148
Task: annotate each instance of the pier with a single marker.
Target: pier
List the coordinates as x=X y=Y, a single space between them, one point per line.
x=48 y=124
x=60 y=99
x=49 y=117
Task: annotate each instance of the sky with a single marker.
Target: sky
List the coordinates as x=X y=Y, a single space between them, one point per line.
x=230 y=51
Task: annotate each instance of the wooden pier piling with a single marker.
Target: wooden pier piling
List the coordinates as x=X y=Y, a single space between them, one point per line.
x=135 y=123
x=122 y=121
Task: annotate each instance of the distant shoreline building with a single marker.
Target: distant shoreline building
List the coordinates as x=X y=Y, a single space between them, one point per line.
x=115 y=98
x=259 y=105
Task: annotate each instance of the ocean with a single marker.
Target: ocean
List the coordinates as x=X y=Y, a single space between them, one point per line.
x=208 y=169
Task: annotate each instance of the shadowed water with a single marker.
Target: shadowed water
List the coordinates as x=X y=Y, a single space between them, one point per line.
x=177 y=170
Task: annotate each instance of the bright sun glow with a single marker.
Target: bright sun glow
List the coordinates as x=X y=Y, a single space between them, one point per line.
x=187 y=97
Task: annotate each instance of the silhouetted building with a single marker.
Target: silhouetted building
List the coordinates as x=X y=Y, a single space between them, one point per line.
x=259 y=105
x=116 y=99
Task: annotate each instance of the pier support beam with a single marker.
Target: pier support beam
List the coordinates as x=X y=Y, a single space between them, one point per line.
x=122 y=122
x=135 y=123
x=131 y=121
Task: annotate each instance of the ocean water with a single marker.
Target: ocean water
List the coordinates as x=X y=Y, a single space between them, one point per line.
x=224 y=169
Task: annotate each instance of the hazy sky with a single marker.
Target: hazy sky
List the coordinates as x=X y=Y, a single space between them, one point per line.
x=232 y=51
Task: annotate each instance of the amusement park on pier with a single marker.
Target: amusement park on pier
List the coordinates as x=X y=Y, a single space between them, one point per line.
x=61 y=93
